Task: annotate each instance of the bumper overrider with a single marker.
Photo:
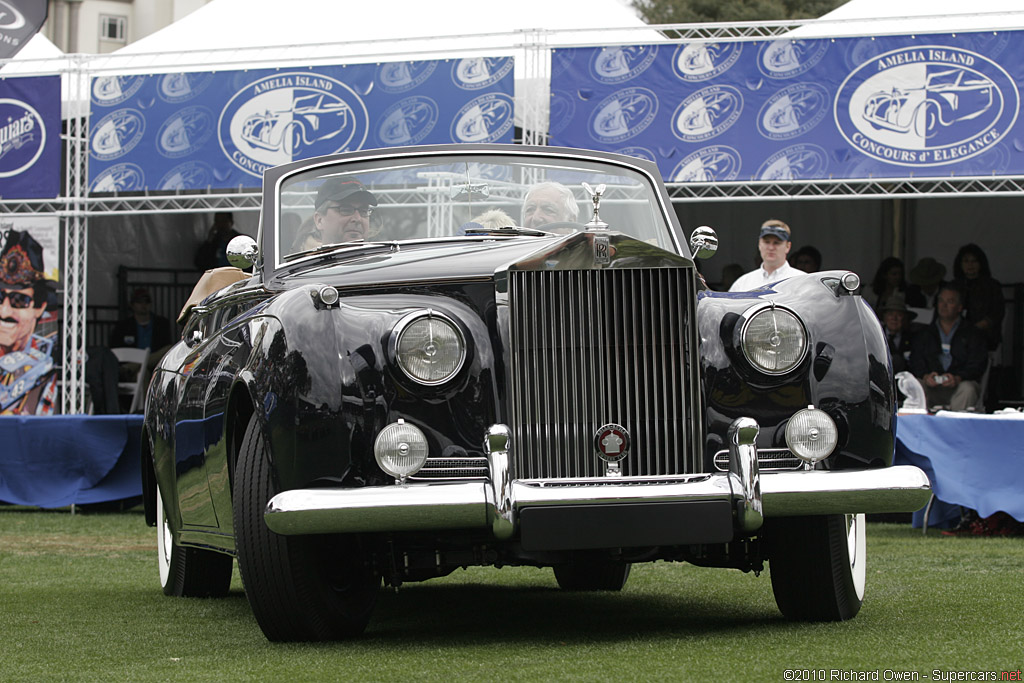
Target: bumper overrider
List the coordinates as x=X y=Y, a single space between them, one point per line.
x=603 y=512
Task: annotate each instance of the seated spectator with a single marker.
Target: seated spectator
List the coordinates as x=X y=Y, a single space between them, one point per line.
x=983 y=295
x=925 y=280
x=896 y=323
x=888 y=281
x=949 y=356
x=807 y=259
x=143 y=329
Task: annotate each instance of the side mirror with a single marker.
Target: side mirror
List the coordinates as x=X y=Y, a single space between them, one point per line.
x=703 y=242
x=241 y=252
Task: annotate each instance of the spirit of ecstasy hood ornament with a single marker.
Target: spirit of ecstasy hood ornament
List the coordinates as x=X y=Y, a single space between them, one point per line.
x=595 y=196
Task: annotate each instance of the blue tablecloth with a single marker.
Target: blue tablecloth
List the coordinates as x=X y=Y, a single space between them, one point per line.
x=59 y=460
x=972 y=460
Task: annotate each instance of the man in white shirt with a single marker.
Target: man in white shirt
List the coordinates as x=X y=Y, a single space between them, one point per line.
x=774 y=244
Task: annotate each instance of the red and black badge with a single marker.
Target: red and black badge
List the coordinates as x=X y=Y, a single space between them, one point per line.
x=612 y=442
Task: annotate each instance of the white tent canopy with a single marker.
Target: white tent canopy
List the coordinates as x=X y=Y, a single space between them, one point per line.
x=226 y=34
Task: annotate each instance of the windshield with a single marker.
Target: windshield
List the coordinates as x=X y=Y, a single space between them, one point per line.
x=466 y=197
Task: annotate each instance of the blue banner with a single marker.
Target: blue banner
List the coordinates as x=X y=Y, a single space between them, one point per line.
x=799 y=109
x=30 y=137
x=221 y=130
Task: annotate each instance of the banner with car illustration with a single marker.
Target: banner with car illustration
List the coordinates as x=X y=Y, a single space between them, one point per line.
x=221 y=130
x=800 y=109
x=30 y=137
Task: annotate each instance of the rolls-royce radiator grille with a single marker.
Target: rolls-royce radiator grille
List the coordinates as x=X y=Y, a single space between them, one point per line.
x=594 y=347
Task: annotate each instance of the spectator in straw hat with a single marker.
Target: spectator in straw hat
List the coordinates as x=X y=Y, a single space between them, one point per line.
x=896 y=321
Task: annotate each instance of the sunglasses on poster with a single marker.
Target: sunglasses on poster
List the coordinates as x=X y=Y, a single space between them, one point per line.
x=17 y=299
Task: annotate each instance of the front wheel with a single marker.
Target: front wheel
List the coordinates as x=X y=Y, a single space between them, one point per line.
x=589 y=572
x=300 y=588
x=818 y=565
x=188 y=572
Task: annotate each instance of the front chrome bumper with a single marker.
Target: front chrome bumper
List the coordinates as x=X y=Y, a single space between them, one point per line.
x=499 y=503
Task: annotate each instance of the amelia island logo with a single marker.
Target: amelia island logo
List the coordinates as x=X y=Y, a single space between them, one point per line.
x=793 y=111
x=190 y=175
x=926 y=105
x=22 y=136
x=788 y=58
x=474 y=73
x=124 y=177
x=110 y=90
x=185 y=132
x=621 y=63
x=703 y=61
x=707 y=113
x=288 y=116
x=798 y=162
x=708 y=165
x=396 y=77
x=408 y=121
x=623 y=114
x=183 y=86
x=117 y=133
x=487 y=118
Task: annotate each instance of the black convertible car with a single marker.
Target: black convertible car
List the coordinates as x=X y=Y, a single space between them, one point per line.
x=503 y=355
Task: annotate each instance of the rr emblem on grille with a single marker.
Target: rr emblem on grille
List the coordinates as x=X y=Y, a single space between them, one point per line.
x=612 y=442
x=602 y=250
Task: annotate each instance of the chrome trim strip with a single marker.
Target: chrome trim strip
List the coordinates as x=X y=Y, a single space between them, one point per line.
x=418 y=507
x=742 y=436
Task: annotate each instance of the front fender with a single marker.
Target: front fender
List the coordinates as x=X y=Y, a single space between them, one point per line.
x=847 y=371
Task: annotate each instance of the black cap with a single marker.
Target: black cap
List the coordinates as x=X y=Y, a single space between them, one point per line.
x=337 y=189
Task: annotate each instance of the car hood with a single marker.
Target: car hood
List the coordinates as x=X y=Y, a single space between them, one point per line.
x=446 y=260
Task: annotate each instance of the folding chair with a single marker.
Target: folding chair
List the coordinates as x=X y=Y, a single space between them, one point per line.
x=136 y=389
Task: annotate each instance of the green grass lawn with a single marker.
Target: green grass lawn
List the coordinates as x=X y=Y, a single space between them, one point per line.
x=80 y=600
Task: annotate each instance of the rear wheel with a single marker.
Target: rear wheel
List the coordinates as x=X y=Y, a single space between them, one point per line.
x=592 y=572
x=189 y=572
x=818 y=566
x=299 y=587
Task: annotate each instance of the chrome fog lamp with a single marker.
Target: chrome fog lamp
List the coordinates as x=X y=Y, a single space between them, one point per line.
x=400 y=449
x=773 y=340
x=811 y=435
x=429 y=347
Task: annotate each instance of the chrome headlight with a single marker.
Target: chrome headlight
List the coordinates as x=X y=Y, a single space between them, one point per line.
x=773 y=340
x=400 y=449
x=429 y=347
x=811 y=435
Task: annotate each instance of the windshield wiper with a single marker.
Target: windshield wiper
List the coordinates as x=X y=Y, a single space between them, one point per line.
x=511 y=231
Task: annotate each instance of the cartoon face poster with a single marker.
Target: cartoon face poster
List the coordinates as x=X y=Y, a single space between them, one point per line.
x=29 y=277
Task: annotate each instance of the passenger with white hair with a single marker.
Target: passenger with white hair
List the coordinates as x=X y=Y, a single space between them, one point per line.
x=549 y=202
